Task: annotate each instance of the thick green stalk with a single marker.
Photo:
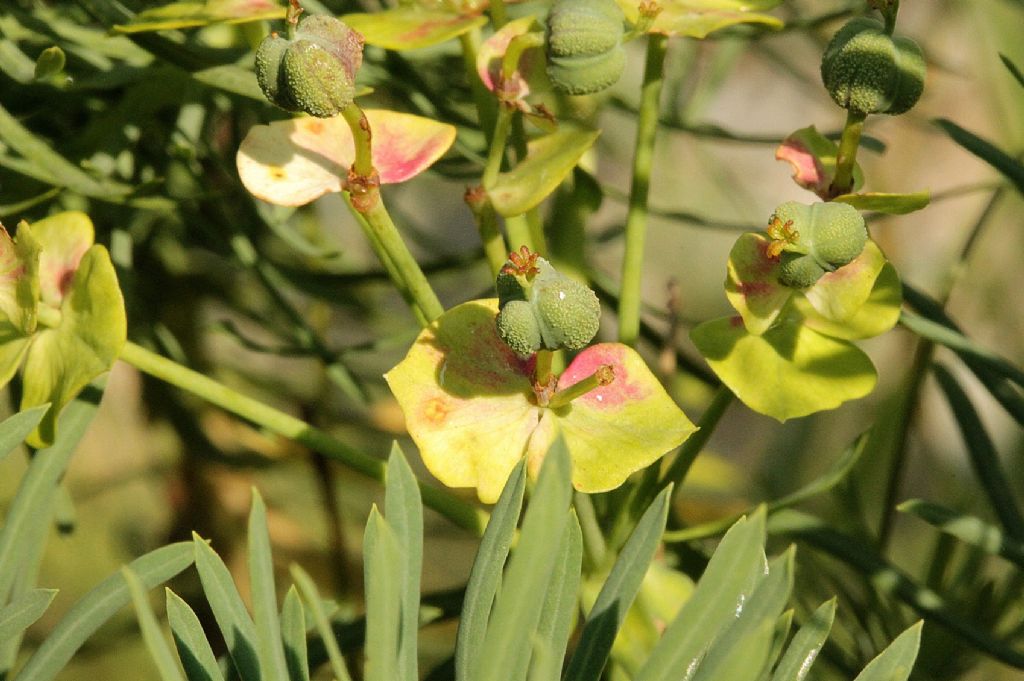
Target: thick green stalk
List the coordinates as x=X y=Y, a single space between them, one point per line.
x=363 y=196
x=636 y=218
x=846 y=158
x=286 y=425
x=379 y=221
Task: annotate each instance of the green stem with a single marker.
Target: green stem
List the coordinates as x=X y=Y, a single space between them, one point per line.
x=389 y=266
x=542 y=367
x=496 y=153
x=459 y=512
x=520 y=234
x=680 y=466
x=846 y=158
x=362 y=138
x=486 y=105
x=604 y=375
x=379 y=221
x=495 y=247
x=636 y=218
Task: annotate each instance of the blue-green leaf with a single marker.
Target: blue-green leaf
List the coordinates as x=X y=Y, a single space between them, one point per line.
x=382 y=572
x=986 y=151
x=559 y=606
x=293 y=633
x=98 y=606
x=16 y=428
x=486 y=574
x=618 y=592
x=152 y=634
x=311 y=596
x=734 y=570
x=516 y=615
x=264 y=594
x=233 y=619
x=22 y=612
x=404 y=510
x=806 y=644
x=895 y=662
x=967 y=528
x=194 y=651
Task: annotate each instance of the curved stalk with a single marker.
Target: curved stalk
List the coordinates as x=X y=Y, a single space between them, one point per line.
x=276 y=421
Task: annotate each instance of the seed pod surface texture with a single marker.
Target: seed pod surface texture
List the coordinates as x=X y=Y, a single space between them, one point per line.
x=584 y=45
x=866 y=71
x=554 y=312
x=829 y=235
x=316 y=71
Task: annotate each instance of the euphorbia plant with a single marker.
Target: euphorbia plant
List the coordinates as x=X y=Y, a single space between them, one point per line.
x=479 y=394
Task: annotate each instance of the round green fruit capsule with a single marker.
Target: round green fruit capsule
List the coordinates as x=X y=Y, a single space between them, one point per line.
x=829 y=235
x=799 y=271
x=584 y=45
x=568 y=312
x=866 y=70
x=316 y=71
x=517 y=327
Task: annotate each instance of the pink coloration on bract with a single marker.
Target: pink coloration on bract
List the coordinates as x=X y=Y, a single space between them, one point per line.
x=807 y=169
x=621 y=390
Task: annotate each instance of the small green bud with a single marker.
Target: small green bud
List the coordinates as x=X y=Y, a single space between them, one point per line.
x=517 y=327
x=543 y=309
x=584 y=45
x=830 y=235
x=50 y=63
x=316 y=71
x=866 y=70
x=799 y=271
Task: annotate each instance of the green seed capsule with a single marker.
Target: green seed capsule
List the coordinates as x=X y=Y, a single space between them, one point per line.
x=545 y=310
x=316 y=71
x=584 y=45
x=865 y=70
x=829 y=235
x=517 y=327
x=799 y=271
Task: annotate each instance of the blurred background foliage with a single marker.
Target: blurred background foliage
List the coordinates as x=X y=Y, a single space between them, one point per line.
x=289 y=305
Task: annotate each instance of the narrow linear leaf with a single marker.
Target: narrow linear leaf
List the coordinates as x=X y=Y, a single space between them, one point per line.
x=1013 y=69
x=382 y=572
x=16 y=428
x=806 y=644
x=516 y=613
x=892 y=204
x=194 y=651
x=36 y=492
x=233 y=619
x=486 y=573
x=310 y=594
x=98 y=606
x=986 y=151
x=404 y=510
x=890 y=581
x=618 y=592
x=962 y=345
x=152 y=634
x=967 y=528
x=731 y=575
x=560 y=603
x=264 y=594
x=61 y=172
x=983 y=455
x=832 y=477
x=21 y=613
x=1005 y=392
x=293 y=633
x=740 y=652
x=896 y=661
x=783 y=625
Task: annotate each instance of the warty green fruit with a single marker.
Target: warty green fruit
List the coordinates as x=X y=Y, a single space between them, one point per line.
x=866 y=70
x=315 y=72
x=584 y=45
x=829 y=234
